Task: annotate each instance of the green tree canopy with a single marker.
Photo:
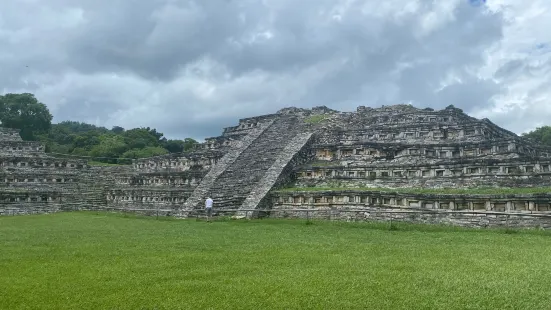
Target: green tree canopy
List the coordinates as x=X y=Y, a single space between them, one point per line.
x=110 y=147
x=178 y=146
x=26 y=113
x=139 y=138
x=80 y=127
x=149 y=151
x=117 y=129
x=540 y=135
x=32 y=118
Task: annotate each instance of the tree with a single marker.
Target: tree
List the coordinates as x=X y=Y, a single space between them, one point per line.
x=540 y=135
x=32 y=118
x=189 y=144
x=58 y=134
x=117 y=129
x=174 y=146
x=139 y=138
x=26 y=113
x=178 y=146
x=110 y=147
x=149 y=151
x=87 y=140
x=79 y=127
x=452 y=107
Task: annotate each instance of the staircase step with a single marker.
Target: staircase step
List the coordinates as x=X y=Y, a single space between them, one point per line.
x=247 y=174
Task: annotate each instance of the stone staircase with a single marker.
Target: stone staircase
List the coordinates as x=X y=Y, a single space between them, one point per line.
x=198 y=196
x=89 y=193
x=294 y=154
x=253 y=169
x=94 y=184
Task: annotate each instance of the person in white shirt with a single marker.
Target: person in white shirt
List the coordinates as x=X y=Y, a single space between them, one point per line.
x=208 y=208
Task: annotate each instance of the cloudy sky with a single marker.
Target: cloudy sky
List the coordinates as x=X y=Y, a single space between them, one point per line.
x=189 y=68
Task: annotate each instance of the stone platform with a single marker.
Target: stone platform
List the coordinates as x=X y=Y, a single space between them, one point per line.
x=399 y=147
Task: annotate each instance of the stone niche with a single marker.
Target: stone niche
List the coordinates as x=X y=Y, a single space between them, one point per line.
x=35 y=202
x=178 y=163
x=9 y=134
x=396 y=146
x=41 y=162
x=24 y=179
x=162 y=180
x=7 y=197
x=463 y=210
x=15 y=147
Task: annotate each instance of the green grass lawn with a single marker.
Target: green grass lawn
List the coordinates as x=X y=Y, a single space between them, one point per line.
x=108 y=261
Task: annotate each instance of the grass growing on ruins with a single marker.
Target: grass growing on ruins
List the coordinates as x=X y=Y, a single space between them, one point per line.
x=316 y=119
x=454 y=191
x=109 y=261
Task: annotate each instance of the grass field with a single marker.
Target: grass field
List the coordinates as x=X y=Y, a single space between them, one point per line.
x=108 y=261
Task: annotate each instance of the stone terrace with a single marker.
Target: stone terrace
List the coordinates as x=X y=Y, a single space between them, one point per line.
x=393 y=147
x=34 y=182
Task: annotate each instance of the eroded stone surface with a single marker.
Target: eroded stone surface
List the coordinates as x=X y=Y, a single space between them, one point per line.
x=528 y=211
x=394 y=147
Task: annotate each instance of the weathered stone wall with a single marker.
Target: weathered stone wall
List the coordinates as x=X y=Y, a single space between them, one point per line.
x=60 y=186
x=200 y=159
x=462 y=210
x=43 y=184
x=160 y=182
x=401 y=146
x=20 y=147
x=392 y=150
x=465 y=173
x=32 y=181
x=393 y=147
x=19 y=202
x=163 y=182
x=474 y=219
x=9 y=134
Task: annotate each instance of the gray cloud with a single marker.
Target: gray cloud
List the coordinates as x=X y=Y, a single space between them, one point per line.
x=189 y=68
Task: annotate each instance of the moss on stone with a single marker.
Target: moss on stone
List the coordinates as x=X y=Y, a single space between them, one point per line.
x=316 y=119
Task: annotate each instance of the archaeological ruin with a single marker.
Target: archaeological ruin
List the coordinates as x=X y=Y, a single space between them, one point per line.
x=394 y=163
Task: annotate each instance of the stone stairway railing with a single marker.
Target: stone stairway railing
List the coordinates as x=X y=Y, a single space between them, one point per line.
x=207 y=182
x=285 y=162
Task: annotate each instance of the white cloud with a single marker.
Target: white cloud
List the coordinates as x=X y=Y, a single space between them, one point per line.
x=189 y=68
x=522 y=65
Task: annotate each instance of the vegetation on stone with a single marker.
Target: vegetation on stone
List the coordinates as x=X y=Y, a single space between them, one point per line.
x=316 y=119
x=108 y=261
x=404 y=159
